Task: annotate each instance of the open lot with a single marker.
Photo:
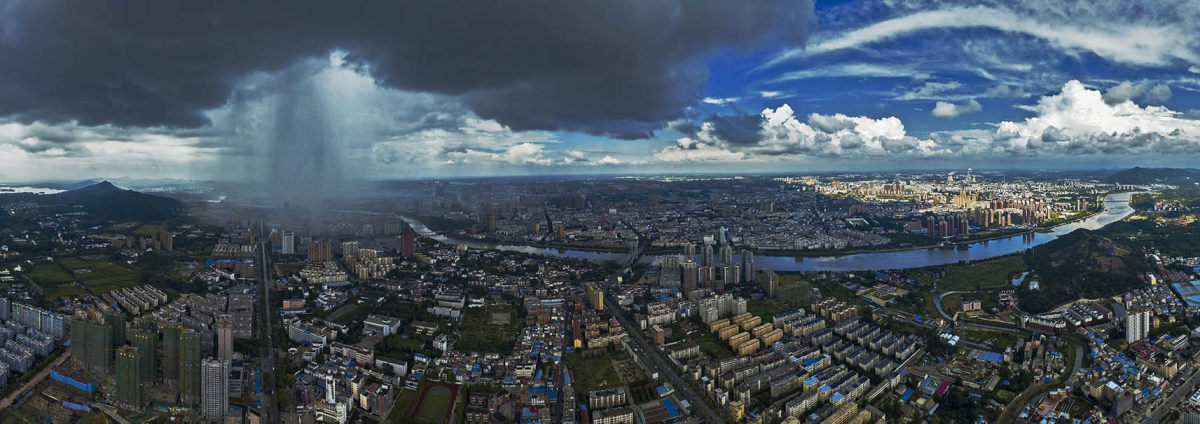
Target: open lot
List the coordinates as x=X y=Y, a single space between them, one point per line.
x=482 y=331
x=592 y=373
x=766 y=309
x=990 y=274
x=59 y=279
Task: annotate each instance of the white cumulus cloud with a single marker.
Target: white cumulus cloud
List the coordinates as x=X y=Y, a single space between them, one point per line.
x=953 y=110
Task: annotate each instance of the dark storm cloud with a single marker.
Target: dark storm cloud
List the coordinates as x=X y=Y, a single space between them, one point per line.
x=621 y=68
x=740 y=128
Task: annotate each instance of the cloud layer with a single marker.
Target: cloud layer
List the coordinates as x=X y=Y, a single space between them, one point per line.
x=1075 y=121
x=545 y=65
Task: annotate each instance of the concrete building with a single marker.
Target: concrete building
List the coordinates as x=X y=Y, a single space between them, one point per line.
x=1137 y=326
x=146 y=343
x=288 y=241
x=129 y=377
x=385 y=325
x=770 y=282
x=214 y=396
x=172 y=333
x=189 y=367
x=224 y=332
x=595 y=296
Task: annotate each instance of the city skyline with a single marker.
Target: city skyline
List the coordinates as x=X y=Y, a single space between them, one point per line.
x=778 y=87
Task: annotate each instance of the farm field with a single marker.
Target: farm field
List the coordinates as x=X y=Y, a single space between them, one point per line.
x=74 y=276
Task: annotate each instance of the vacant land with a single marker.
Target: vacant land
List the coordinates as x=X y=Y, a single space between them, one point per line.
x=59 y=279
x=714 y=346
x=765 y=309
x=990 y=274
x=149 y=230
x=491 y=330
x=591 y=373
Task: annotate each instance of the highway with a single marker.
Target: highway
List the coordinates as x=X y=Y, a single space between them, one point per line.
x=270 y=408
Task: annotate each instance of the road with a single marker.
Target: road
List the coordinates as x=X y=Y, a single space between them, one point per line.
x=937 y=303
x=270 y=407
x=112 y=412
x=1184 y=390
x=41 y=375
x=699 y=405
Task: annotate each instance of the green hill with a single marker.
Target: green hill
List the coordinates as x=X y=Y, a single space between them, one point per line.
x=1081 y=264
x=107 y=201
x=1139 y=176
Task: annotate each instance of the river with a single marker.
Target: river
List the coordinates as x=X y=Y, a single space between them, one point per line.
x=1116 y=208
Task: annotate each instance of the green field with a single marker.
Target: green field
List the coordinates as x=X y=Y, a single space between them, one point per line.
x=485 y=330
x=433 y=408
x=149 y=230
x=765 y=309
x=714 y=346
x=98 y=277
x=591 y=373
x=990 y=274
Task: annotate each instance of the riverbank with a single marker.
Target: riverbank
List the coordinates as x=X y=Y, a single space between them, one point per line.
x=1117 y=208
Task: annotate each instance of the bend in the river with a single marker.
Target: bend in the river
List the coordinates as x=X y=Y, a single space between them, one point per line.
x=1116 y=208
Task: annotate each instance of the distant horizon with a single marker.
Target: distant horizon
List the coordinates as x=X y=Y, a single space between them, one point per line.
x=582 y=176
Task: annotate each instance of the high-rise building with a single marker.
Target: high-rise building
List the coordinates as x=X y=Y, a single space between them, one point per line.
x=288 y=243
x=146 y=343
x=98 y=347
x=689 y=252
x=189 y=367
x=747 y=266
x=770 y=282
x=706 y=256
x=117 y=320
x=165 y=240
x=350 y=249
x=1137 y=326
x=691 y=279
x=214 y=397
x=172 y=334
x=595 y=296
x=726 y=255
x=225 y=341
x=129 y=377
x=320 y=251
x=408 y=243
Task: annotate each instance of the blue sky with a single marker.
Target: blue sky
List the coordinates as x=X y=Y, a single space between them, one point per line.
x=860 y=84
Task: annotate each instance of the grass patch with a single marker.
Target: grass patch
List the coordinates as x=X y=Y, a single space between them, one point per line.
x=149 y=230
x=765 y=309
x=714 y=346
x=1005 y=395
x=106 y=277
x=50 y=274
x=481 y=332
x=591 y=373
x=990 y=274
x=98 y=277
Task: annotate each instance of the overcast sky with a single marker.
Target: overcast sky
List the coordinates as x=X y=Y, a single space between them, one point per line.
x=217 y=90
